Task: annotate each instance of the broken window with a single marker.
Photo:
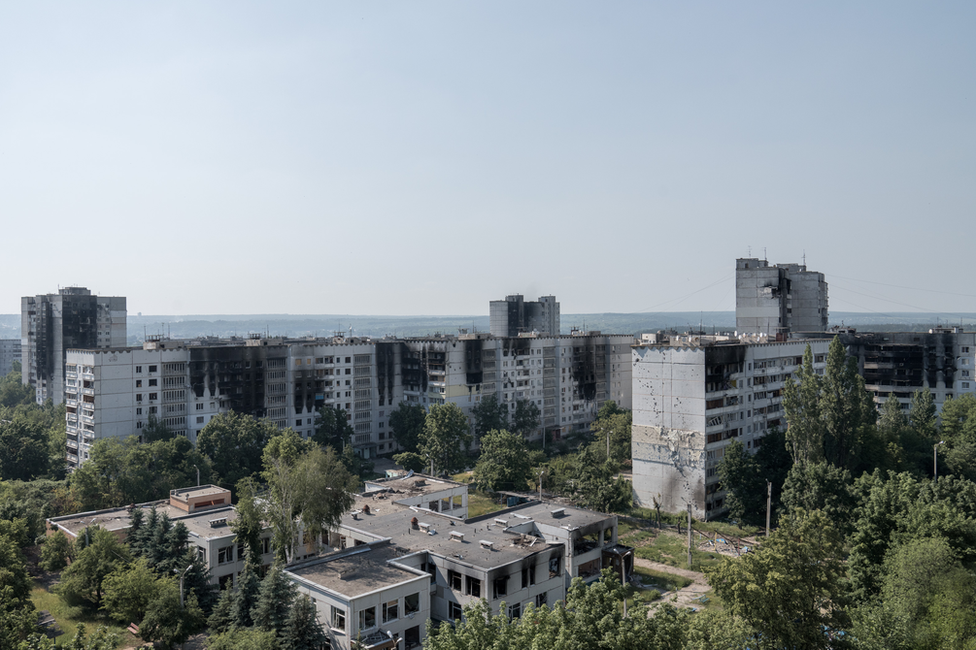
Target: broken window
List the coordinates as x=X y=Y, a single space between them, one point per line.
x=554 y=566
x=338 y=618
x=501 y=587
x=474 y=587
x=367 y=618
x=411 y=603
x=391 y=611
x=454 y=580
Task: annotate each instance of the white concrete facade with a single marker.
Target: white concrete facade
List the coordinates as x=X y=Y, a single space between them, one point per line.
x=184 y=384
x=690 y=401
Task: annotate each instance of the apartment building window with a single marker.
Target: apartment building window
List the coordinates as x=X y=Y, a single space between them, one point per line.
x=200 y=406
x=454 y=579
x=501 y=587
x=138 y=368
x=338 y=618
x=199 y=419
x=152 y=368
x=454 y=611
x=542 y=599
x=138 y=425
x=153 y=382
x=474 y=587
x=138 y=383
x=152 y=396
x=515 y=611
x=411 y=603
x=391 y=611
x=225 y=555
x=367 y=618
x=139 y=411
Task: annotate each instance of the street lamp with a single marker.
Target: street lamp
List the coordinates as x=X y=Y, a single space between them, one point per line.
x=935 y=458
x=182 y=575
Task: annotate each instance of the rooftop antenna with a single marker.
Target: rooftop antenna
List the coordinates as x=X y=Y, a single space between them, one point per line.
x=804 y=259
x=765 y=259
x=748 y=251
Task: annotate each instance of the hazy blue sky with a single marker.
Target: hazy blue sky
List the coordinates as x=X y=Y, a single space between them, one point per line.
x=425 y=158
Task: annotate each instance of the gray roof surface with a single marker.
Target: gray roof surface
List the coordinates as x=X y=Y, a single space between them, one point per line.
x=355 y=573
x=393 y=521
x=113 y=519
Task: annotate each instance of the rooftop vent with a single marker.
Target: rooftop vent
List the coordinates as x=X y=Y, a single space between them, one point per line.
x=502 y=522
x=215 y=523
x=424 y=526
x=456 y=536
x=559 y=512
x=486 y=544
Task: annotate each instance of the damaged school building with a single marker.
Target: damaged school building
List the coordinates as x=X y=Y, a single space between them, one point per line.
x=693 y=394
x=406 y=553
x=113 y=392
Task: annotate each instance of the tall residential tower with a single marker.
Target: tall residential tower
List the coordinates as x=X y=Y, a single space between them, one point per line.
x=51 y=324
x=778 y=298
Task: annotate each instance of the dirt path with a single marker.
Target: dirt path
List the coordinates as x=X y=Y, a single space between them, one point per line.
x=685 y=597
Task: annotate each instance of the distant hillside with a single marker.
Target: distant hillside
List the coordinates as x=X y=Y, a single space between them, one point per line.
x=403 y=326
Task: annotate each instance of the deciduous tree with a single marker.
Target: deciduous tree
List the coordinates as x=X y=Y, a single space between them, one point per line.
x=306 y=485
x=407 y=423
x=526 y=418
x=790 y=588
x=504 y=463
x=445 y=432
x=489 y=415
x=332 y=428
x=235 y=443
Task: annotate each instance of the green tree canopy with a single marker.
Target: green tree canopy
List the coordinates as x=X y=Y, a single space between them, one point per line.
x=504 y=463
x=305 y=484
x=235 y=443
x=127 y=471
x=303 y=631
x=591 y=617
x=407 y=423
x=614 y=424
x=489 y=415
x=98 y=553
x=745 y=486
x=130 y=590
x=169 y=622
x=445 y=432
x=526 y=419
x=832 y=417
x=791 y=588
x=332 y=428
x=275 y=600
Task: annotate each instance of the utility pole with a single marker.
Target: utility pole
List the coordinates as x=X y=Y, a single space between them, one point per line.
x=689 y=536
x=769 y=504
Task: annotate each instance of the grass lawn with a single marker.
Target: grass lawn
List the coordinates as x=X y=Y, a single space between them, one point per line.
x=672 y=549
x=68 y=617
x=481 y=504
x=660 y=580
x=463 y=477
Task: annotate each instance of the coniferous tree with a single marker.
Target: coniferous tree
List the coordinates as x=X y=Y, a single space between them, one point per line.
x=303 y=631
x=137 y=522
x=275 y=600
x=248 y=586
x=221 y=619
